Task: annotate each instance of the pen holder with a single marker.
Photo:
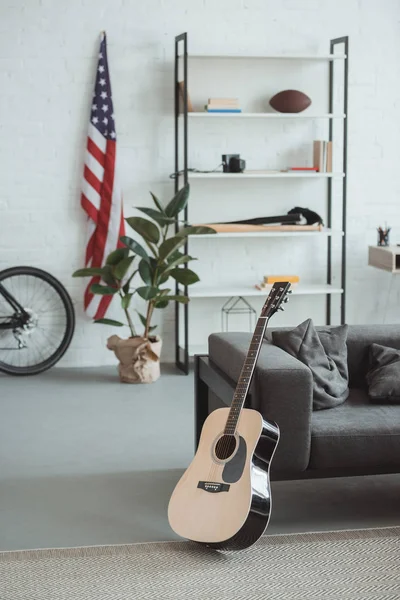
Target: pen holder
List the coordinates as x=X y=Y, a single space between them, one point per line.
x=383 y=237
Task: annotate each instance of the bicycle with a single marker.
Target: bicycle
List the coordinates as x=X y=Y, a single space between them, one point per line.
x=37 y=320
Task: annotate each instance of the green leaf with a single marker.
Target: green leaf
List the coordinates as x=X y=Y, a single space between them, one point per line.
x=158 y=216
x=126 y=300
x=109 y=322
x=178 y=202
x=121 y=269
x=147 y=292
x=178 y=259
x=103 y=290
x=148 y=230
x=127 y=285
x=107 y=276
x=184 y=276
x=134 y=246
x=195 y=230
x=157 y=202
x=178 y=298
x=88 y=272
x=142 y=318
x=146 y=272
x=162 y=303
x=169 y=246
x=163 y=277
x=116 y=256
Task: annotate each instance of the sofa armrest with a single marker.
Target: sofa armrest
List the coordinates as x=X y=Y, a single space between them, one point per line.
x=281 y=390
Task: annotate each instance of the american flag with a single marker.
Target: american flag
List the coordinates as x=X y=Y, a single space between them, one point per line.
x=101 y=194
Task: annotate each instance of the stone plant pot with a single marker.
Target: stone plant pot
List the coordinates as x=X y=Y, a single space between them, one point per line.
x=139 y=358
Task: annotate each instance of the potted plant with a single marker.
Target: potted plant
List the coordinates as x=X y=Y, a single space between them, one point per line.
x=146 y=270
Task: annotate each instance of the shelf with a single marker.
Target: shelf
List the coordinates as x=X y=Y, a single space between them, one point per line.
x=247 y=290
x=312 y=57
x=386 y=258
x=262 y=174
x=260 y=115
x=250 y=234
x=335 y=112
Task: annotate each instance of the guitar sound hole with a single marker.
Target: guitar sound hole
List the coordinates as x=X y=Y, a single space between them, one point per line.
x=225 y=447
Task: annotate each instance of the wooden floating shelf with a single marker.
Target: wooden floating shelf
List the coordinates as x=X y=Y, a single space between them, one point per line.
x=247 y=291
x=268 y=233
x=383 y=257
x=260 y=115
x=261 y=175
x=337 y=56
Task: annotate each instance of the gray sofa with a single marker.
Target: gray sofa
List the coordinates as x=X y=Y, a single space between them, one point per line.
x=356 y=437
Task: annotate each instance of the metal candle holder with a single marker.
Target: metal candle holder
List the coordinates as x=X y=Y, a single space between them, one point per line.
x=237 y=305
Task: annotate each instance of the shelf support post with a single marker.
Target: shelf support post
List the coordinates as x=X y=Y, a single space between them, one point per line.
x=181 y=354
x=333 y=43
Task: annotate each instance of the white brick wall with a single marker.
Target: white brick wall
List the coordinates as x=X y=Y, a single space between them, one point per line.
x=47 y=59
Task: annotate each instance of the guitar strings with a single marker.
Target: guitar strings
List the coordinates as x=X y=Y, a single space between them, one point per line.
x=226 y=442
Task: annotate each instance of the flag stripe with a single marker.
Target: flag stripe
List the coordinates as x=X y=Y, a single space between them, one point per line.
x=92 y=240
x=92 y=197
x=96 y=152
x=94 y=166
x=97 y=138
x=92 y=179
x=89 y=209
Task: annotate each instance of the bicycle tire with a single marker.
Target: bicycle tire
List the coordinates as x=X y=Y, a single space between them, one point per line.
x=70 y=321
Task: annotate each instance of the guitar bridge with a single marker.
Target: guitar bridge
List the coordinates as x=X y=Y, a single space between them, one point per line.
x=213 y=487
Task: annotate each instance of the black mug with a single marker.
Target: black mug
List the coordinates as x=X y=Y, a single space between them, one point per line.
x=236 y=165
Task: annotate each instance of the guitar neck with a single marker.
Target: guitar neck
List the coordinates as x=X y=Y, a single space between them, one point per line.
x=246 y=376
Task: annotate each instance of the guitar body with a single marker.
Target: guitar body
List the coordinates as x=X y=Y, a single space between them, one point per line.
x=223 y=500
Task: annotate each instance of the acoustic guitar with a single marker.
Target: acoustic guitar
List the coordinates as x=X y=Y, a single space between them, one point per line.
x=223 y=500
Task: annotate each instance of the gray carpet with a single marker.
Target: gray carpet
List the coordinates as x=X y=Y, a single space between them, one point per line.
x=333 y=566
x=85 y=460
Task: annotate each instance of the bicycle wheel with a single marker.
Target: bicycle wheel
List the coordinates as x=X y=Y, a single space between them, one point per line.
x=37 y=320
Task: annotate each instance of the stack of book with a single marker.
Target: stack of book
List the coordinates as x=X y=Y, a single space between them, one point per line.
x=223 y=105
x=270 y=279
x=323 y=156
x=307 y=169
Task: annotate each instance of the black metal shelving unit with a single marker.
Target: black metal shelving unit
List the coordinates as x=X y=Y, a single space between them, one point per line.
x=181 y=166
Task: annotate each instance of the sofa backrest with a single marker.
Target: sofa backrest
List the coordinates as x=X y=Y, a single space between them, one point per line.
x=359 y=339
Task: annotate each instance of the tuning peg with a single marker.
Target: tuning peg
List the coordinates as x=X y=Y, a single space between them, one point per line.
x=281 y=308
x=289 y=292
x=286 y=300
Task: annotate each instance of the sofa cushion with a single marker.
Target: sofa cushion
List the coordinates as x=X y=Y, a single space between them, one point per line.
x=325 y=353
x=383 y=377
x=356 y=435
x=359 y=339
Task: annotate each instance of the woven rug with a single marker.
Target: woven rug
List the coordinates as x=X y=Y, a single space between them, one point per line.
x=363 y=564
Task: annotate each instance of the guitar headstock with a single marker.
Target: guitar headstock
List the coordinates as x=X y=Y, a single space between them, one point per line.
x=277 y=296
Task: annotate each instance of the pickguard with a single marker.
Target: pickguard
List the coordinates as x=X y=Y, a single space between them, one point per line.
x=234 y=468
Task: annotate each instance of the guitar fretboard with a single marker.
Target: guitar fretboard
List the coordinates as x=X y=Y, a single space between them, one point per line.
x=246 y=375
